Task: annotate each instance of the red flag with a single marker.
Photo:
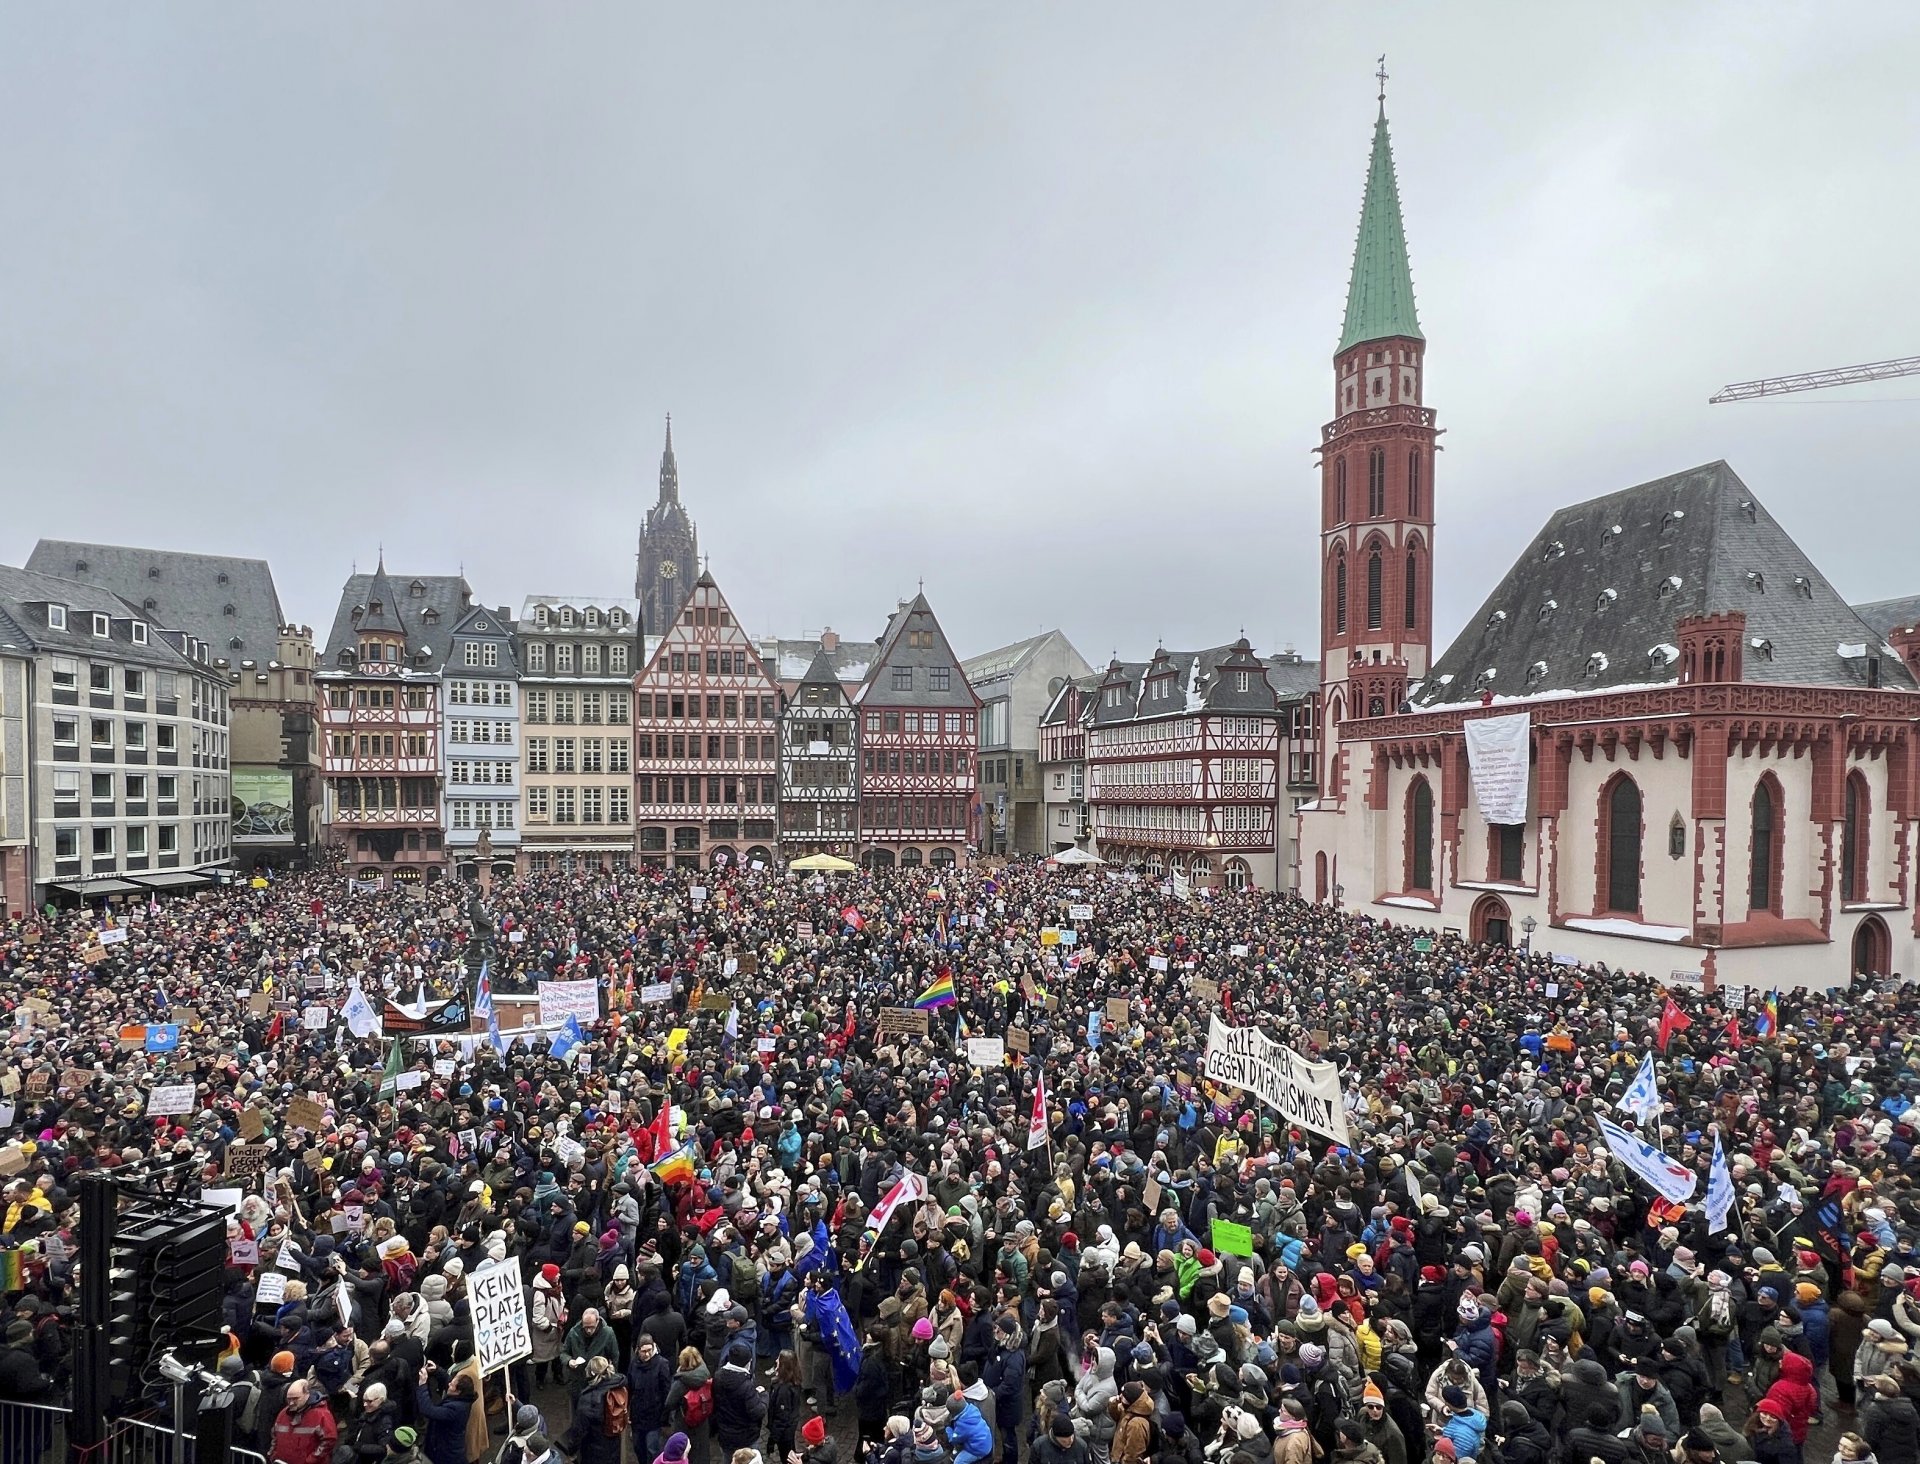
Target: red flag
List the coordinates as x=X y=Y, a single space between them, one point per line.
x=660 y=1131
x=1037 y=1124
x=1733 y=1033
x=853 y=917
x=1672 y=1020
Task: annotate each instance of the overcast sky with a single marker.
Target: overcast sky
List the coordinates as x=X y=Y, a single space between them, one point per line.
x=1034 y=301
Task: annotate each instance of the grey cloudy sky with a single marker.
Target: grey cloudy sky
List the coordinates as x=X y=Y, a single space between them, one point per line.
x=1036 y=301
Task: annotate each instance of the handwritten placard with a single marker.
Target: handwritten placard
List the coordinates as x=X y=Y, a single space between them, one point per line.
x=304 y=1113
x=902 y=1022
x=1019 y=1039
x=1119 y=1010
x=247 y=1159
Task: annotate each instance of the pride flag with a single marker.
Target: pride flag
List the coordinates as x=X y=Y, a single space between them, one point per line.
x=1768 y=1022
x=939 y=994
x=676 y=1168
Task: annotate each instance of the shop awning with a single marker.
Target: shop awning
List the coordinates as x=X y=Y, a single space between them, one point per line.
x=172 y=879
x=89 y=889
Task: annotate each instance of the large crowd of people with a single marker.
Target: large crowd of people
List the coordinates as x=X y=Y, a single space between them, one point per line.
x=1144 y=1268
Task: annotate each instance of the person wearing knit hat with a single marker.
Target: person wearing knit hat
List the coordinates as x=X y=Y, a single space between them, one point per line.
x=813 y=1433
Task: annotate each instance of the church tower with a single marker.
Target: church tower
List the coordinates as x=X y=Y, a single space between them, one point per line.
x=1376 y=478
x=669 y=551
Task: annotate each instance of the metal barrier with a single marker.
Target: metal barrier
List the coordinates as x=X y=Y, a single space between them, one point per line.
x=149 y=1441
x=33 y=1433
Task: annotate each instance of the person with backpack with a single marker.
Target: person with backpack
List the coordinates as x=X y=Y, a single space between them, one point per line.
x=690 y=1404
x=601 y=1416
x=739 y=1403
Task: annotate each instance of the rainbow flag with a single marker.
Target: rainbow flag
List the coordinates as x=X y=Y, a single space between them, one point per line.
x=939 y=994
x=675 y=1168
x=1768 y=1022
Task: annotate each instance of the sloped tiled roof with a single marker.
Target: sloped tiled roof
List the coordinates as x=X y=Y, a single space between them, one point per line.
x=1592 y=603
x=1056 y=712
x=426 y=608
x=788 y=660
x=1886 y=616
x=214 y=597
x=23 y=621
x=1201 y=682
x=896 y=650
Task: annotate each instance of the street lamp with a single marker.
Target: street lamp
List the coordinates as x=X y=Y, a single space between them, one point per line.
x=1527 y=927
x=1338 y=891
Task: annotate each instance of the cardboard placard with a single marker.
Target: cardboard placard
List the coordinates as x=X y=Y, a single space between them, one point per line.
x=1119 y=1010
x=247 y=1159
x=902 y=1022
x=39 y=1084
x=1150 y=1197
x=37 y=1004
x=1049 y=935
x=1207 y=990
x=304 y=1113
x=75 y=1080
x=253 y=1123
x=1238 y=950
x=986 y=1052
x=715 y=1001
x=93 y=955
x=259 y=1004
x=1019 y=1040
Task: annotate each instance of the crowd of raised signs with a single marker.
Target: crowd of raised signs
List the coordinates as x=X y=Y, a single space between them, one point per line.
x=926 y=1164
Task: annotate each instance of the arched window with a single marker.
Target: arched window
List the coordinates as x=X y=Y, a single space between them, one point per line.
x=1420 y=835
x=1374 y=591
x=1853 y=839
x=1411 y=590
x=1763 y=851
x=1413 y=483
x=1340 y=490
x=1620 y=807
x=1237 y=874
x=1340 y=594
x=1376 y=482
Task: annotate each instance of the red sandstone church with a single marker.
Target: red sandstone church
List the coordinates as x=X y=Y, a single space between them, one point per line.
x=1720 y=777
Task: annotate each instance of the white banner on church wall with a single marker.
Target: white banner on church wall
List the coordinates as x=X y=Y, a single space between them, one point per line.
x=1497 y=763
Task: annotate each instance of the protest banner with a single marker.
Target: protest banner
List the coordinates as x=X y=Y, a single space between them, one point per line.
x=247 y=1159
x=562 y=999
x=1205 y=989
x=174 y=1099
x=501 y=1334
x=655 y=992
x=1306 y=1094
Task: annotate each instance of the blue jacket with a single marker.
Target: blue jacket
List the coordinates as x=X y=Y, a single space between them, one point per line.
x=969 y=1433
x=1466 y=1430
x=1816 y=1328
x=446 y=1440
x=1474 y=1345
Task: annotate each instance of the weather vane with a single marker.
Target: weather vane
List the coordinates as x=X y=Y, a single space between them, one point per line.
x=1381 y=74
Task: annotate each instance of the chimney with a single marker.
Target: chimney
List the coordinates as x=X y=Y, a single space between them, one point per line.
x=829 y=640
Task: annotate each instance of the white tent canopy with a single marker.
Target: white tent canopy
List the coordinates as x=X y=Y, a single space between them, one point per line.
x=1076 y=856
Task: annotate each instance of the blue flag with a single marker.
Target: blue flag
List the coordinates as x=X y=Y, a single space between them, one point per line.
x=567 y=1038
x=1719 y=1203
x=825 y=1311
x=1642 y=1098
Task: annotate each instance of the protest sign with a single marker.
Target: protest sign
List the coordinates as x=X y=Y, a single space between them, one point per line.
x=176 y=1098
x=902 y=1022
x=272 y=1289
x=242 y=1251
x=1156 y=963
x=1079 y=912
x=306 y=1114
x=655 y=992
x=1119 y=1010
x=253 y=1123
x=1306 y=1094
x=1230 y=1239
x=247 y=1159
x=1019 y=1040
x=314 y=1018
x=986 y=1052
x=113 y=936
x=501 y=1334
x=1206 y=989
x=562 y=999
x=764 y=1046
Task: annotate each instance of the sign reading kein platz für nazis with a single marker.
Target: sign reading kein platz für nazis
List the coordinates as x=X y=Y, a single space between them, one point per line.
x=1306 y=1094
x=500 y=1331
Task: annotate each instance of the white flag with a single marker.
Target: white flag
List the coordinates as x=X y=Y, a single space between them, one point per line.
x=1037 y=1124
x=1719 y=1189
x=1642 y=1098
x=1672 y=1180
x=910 y=1189
x=361 y=1018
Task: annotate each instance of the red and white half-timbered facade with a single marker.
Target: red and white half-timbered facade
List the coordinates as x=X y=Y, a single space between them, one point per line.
x=706 y=742
x=919 y=745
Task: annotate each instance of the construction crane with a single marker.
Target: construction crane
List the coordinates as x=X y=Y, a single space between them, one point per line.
x=1741 y=391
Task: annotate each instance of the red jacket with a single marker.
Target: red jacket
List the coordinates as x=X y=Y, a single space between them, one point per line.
x=307 y=1437
x=1794 y=1392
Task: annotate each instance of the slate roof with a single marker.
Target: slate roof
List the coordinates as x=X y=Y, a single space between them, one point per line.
x=23 y=621
x=426 y=608
x=788 y=660
x=1056 y=712
x=822 y=671
x=215 y=597
x=1380 y=289
x=499 y=629
x=894 y=650
x=1603 y=584
x=1202 y=682
x=1887 y=616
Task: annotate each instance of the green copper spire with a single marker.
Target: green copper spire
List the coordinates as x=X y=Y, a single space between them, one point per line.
x=1380 y=293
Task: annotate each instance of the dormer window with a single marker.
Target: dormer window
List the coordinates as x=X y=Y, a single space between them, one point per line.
x=228 y=610
x=1605 y=600
x=1660 y=656
x=593 y=619
x=139 y=632
x=102 y=625
x=220 y=578
x=540 y=615
x=1496 y=620
x=1596 y=665
x=1762 y=647
x=1536 y=673
x=1485 y=678
x=375 y=607
x=1545 y=613
x=153 y=571
x=1756 y=581
x=566 y=615
x=1554 y=551
x=1803 y=585
x=1751 y=510
x=56 y=617
x=235 y=643
x=430 y=615
x=1671 y=517
x=417 y=590
x=1670 y=585
x=616 y=618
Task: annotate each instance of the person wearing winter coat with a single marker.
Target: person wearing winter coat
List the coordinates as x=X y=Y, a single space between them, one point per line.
x=1006 y=1375
x=1377 y=1425
x=1770 y=1436
x=587 y=1339
x=1640 y=1387
x=739 y=1402
x=1059 y=1444
x=1796 y=1395
x=1889 y=1422
x=1463 y=1425
x=547 y=1322
x=1134 y=1427
x=1091 y=1395
x=1882 y=1349
x=1728 y=1442
x=968 y=1435
x=1177 y=1443
x=1523 y=1439
x=1292 y=1441
x=1846 y=1329
x=371 y=1431
x=586 y=1439
x=1594 y=1436
x=445 y=1419
x=305 y=1433
x=649 y=1376
x=690 y=1374
x=1473 y=1340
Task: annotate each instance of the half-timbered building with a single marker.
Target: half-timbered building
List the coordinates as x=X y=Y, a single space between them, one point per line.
x=378 y=689
x=919 y=741
x=1186 y=756
x=819 y=765
x=706 y=727
x=1066 y=818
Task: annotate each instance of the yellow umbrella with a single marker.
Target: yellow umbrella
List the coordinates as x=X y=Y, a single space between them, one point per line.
x=824 y=862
